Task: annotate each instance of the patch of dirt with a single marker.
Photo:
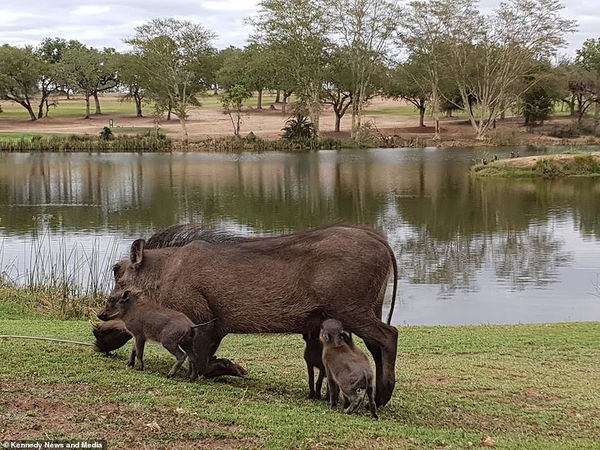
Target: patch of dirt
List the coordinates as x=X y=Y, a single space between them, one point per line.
x=29 y=411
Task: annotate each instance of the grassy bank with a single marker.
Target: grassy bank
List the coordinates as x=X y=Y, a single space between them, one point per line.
x=526 y=386
x=550 y=166
x=146 y=142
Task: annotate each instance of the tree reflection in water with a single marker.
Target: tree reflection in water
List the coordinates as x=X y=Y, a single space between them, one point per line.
x=448 y=229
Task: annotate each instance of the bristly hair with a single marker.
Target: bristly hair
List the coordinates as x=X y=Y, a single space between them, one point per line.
x=182 y=234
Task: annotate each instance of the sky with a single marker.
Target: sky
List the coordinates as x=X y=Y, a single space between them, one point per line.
x=106 y=23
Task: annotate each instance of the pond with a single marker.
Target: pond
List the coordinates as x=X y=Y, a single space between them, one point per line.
x=469 y=251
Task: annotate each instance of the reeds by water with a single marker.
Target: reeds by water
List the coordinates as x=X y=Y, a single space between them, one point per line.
x=66 y=279
x=150 y=142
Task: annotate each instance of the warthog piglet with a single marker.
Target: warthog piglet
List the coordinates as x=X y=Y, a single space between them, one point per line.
x=347 y=368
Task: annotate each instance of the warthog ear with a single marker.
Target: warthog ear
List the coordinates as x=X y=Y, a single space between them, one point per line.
x=136 y=254
x=125 y=297
x=346 y=336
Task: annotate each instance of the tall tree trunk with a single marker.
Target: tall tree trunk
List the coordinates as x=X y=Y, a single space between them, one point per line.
x=597 y=116
x=169 y=109
x=572 y=106
x=238 y=119
x=87 y=106
x=284 y=103
x=259 y=99
x=278 y=96
x=40 y=113
x=27 y=106
x=315 y=110
x=338 y=120
x=436 y=117
x=185 y=131
x=97 y=102
x=422 y=116
x=353 y=129
x=138 y=105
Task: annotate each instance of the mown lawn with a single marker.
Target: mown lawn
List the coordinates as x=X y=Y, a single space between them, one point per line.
x=525 y=386
x=111 y=105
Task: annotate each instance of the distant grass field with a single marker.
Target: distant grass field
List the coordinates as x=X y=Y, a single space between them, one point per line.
x=399 y=110
x=111 y=105
x=524 y=386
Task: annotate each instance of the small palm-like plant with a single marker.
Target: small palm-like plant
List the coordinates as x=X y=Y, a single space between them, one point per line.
x=106 y=134
x=298 y=127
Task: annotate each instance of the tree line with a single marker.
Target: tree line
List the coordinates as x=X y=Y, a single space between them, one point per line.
x=438 y=55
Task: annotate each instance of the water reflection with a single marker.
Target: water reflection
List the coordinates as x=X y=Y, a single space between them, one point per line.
x=453 y=233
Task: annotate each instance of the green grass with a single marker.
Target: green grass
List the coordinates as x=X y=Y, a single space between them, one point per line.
x=400 y=110
x=525 y=386
x=111 y=105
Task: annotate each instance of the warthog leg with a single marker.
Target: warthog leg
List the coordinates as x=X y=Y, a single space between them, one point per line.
x=174 y=349
x=382 y=341
x=311 y=382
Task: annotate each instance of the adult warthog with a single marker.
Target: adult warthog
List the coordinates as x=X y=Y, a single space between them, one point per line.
x=275 y=285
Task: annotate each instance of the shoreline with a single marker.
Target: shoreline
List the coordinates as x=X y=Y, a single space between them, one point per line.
x=560 y=165
x=163 y=144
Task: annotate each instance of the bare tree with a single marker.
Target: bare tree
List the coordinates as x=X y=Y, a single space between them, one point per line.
x=490 y=56
x=423 y=33
x=365 y=32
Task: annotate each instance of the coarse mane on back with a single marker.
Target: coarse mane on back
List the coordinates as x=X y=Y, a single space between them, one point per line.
x=182 y=234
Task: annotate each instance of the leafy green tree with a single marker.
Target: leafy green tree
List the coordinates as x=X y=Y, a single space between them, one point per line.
x=179 y=56
x=20 y=72
x=232 y=101
x=251 y=67
x=588 y=57
x=338 y=87
x=89 y=71
x=296 y=33
x=409 y=81
x=50 y=53
x=537 y=104
x=133 y=74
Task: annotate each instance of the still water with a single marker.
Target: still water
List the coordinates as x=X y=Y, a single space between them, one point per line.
x=469 y=251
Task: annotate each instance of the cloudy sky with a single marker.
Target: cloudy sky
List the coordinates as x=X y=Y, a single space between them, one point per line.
x=105 y=23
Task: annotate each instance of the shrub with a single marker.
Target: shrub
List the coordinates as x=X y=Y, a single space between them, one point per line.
x=585 y=164
x=503 y=137
x=298 y=127
x=106 y=134
x=547 y=167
